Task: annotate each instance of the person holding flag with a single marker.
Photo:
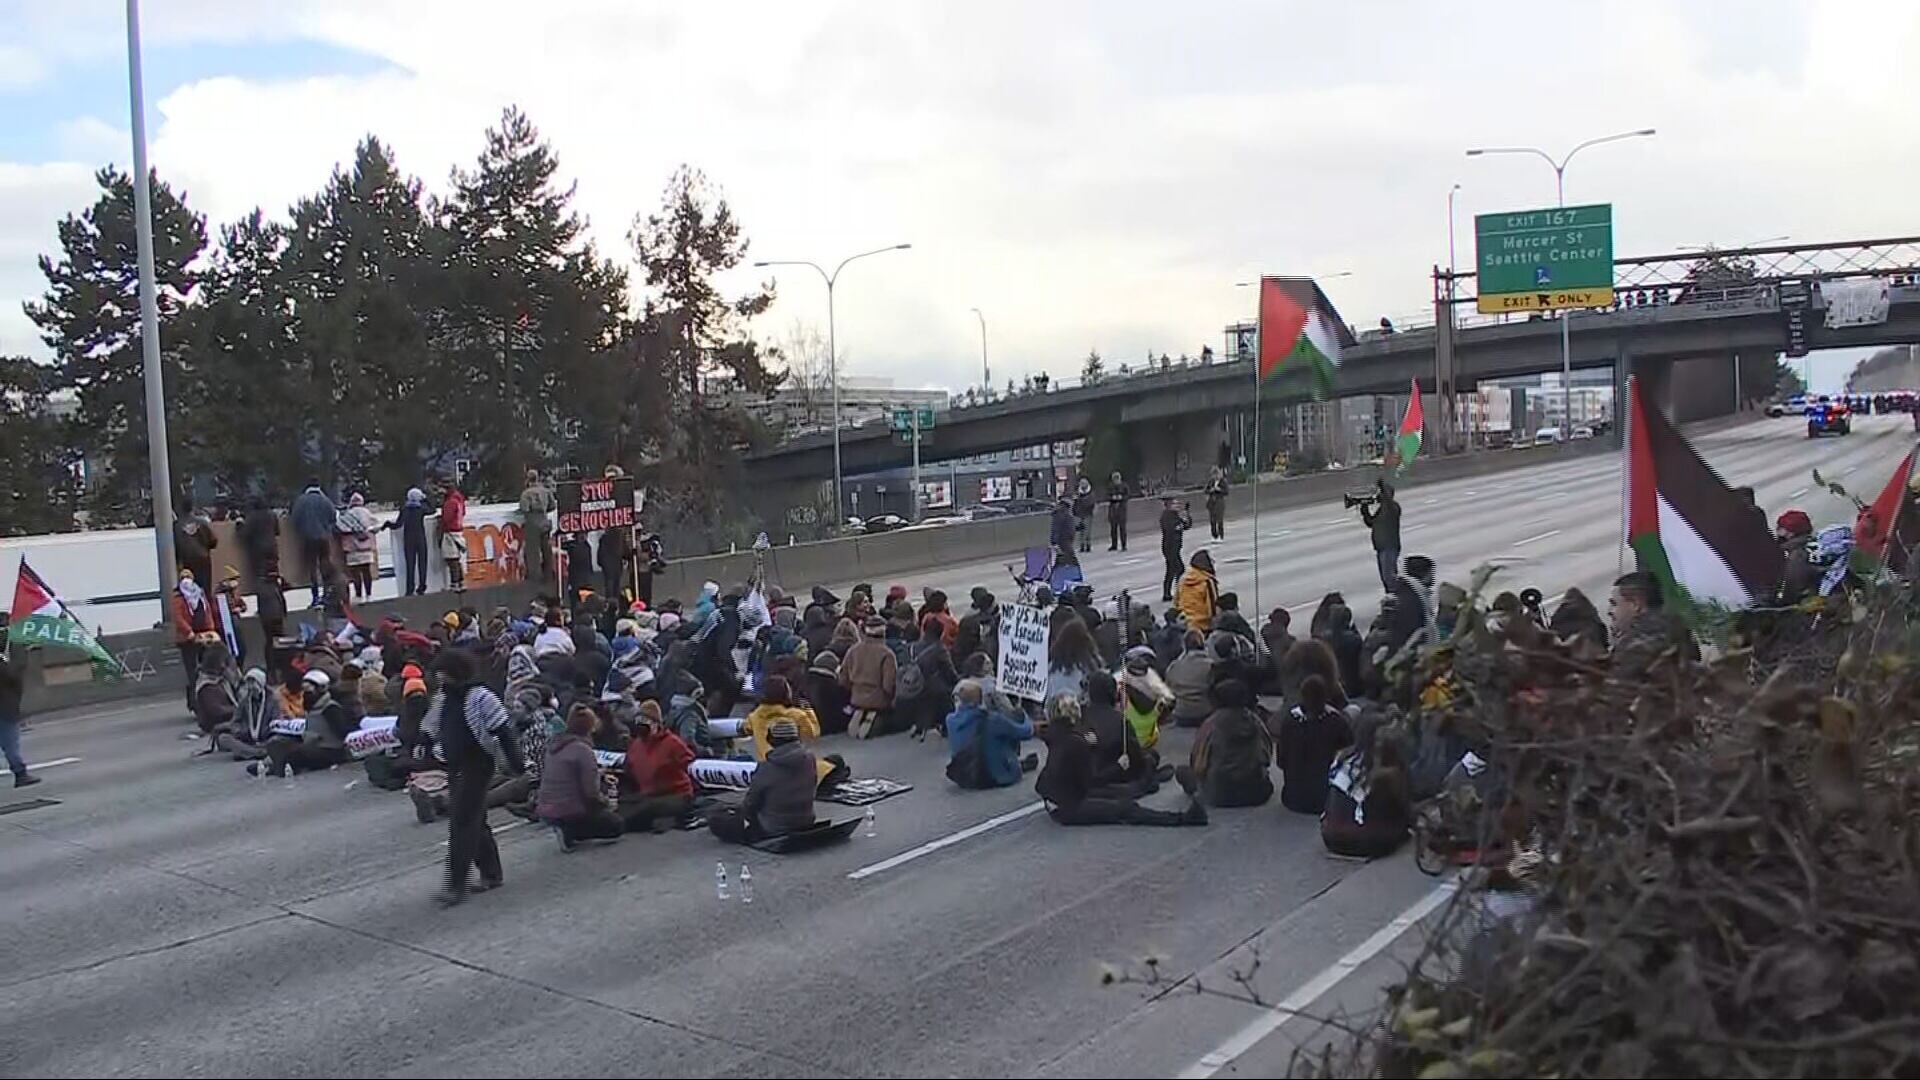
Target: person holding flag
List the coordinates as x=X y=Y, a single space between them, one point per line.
x=38 y=618
x=12 y=689
x=1406 y=444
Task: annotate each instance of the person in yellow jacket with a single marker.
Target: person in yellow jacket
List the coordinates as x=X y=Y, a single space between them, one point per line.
x=776 y=704
x=1199 y=595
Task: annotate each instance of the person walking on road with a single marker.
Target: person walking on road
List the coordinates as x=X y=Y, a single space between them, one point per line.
x=1217 y=504
x=12 y=689
x=1174 y=523
x=474 y=737
x=1117 y=496
x=412 y=524
x=537 y=505
x=453 y=536
x=314 y=518
x=1083 y=514
x=1382 y=518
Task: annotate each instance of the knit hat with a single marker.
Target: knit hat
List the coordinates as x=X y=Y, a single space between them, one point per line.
x=650 y=711
x=316 y=678
x=412 y=686
x=451 y=620
x=895 y=594
x=411 y=670
x=875 y=626
x=626 y=626
x=783 y=731
x=1139 y=658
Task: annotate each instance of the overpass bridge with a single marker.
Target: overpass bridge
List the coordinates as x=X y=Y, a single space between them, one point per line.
x=1682 y=322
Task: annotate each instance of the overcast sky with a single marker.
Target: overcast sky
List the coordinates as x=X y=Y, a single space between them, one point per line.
x=1091 y=174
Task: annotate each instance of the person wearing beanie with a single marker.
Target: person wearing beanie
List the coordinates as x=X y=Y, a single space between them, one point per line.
x=323 y=743
x=1232 y=756
x=778 y=705
x=869 y=672
x=570 y=799
x=658 y=787
x=979 y=630
x=936 y=608
x=831 y=706
x=1074 y=794
x=779 y=798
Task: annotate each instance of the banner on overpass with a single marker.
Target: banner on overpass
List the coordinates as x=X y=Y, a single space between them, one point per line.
x=1860 y=302
x=1536 y=260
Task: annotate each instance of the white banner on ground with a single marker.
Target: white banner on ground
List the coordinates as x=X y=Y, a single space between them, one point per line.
x=1857 y=302
x=1023 y=651
x=374 y=734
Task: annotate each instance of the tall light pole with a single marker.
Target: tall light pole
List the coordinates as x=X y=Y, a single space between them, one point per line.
x=986 y=376
x=833 y=356
x=160 y=475
x=1560 y=199
x=1451 y=192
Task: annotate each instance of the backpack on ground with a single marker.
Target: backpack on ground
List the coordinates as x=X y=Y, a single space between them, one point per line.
x=910 y=682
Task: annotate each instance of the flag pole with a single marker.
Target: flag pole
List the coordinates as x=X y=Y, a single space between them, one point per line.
x=1253 y=475
x=1626 y=473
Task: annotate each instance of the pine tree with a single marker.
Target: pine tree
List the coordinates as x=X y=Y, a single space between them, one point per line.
x=532 y=326
x=90 y=318
x=36 y=489
x=1094 y=370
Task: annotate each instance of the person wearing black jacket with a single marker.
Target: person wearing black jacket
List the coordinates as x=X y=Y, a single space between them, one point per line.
x=1382 y=518
x=979 y=628
x=579 y=555
x=616 y=552
x=260 y=539
x=1343 y=638
x=12 y=689
x=1083 y=513
x=412 y=524
x=473 y=735
x=1174 y=523
x=1217 y=504
x=1413 y=602
x=938 y=677
x=1117 y=496
x=1073 y=792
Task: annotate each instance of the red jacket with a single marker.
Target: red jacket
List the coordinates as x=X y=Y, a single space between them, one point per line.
x=188 y=623
x=658 y=764
x=453 y=513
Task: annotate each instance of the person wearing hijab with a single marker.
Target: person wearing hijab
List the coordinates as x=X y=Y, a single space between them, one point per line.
x=412 y=524
x=193 y=628
x=359 y=544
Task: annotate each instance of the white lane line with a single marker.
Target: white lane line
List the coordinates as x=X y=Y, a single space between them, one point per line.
x=1305 y=606
x=1799 y=493
x=1311 y=991
x=1281 y=533
x=1531 y=539
x=946 y=841
x=36 y=767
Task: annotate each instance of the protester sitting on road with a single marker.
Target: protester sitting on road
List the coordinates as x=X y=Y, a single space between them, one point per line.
x=1168 y=639
x=826 y=695
x=1311 y=658
x=869 y=671
x=1310 y=735
x=1641 y=632
x=347 y=694
x=1190 y=677
x=1413 y=616
x=1234 y=658
x=777 y=704
x=1070 y=660
x=1072 y=789
x=816 y=629
x=570 y=798
x=979 y=629
x=1368 y=806
x=1146 y=699
x=214 y=690
x=256 y=707
x=1233 y=752
x=323 y=744
x=1276 y=636
x=930 y=665
x=779 y=797
x=1344 y=641
x=1118 y=757
x=983 y=740
x=1576 y=619
x=1199 y=595
x=554 y=639
x=1229 y=619
x=935 y=608
x=846 y=634
x=660 y=788
x=291 y=698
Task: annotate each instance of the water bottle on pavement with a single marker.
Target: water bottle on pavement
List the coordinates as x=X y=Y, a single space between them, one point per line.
x=720 y=880
x=868 y=830
x=746 y=884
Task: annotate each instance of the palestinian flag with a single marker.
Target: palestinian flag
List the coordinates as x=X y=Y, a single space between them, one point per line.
x=39 y=617
x=1878 y=523
x=1705 y=544
x=1406 y=446
x=1299 y=327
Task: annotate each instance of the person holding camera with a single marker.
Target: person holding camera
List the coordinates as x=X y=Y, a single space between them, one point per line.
x=1217 y=503
x=1117 y=496
x=1381 y=515
x=1175 y=520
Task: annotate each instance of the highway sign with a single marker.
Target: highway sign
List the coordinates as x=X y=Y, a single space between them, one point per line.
x=1533 y=260
x=903 y=418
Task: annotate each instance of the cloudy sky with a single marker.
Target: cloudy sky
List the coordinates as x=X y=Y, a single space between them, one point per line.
x=1089 y=173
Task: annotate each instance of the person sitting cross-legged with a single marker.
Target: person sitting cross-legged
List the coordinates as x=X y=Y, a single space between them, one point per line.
x=1073 y=793
x=660 y=788
x=570 y=798
x=779 y=798
x=984 y=733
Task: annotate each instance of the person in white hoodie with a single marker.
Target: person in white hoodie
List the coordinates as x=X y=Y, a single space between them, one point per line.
x=359 y=544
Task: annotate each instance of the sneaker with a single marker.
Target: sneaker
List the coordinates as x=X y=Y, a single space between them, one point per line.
x=560 y=836
x=1187 y=781
x=25 y=780
x=422 y=806
x=1195 y=815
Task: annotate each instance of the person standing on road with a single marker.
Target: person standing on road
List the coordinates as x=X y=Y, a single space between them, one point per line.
x=412 y=524
x=1174 y=523
x=537 y=504
x=473 y=735
x=193 y=626
x=1217 y=503
x=1382 y=517
x=314 y=518
x=1117 y=496
x=1083 y=514
x=453 y=536
x=12 y=689
x=1060 y=532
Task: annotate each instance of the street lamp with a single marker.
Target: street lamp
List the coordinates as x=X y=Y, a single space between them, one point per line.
x=1560 y=199
x=833 y=355
x=986 y=376
x=1451 y=192
x=160 y=475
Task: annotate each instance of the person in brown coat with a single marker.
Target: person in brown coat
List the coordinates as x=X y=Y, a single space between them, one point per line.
x=869 y=671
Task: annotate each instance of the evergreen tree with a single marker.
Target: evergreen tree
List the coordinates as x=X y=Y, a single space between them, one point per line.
x=532 y=325
x=36 y=492
x=90 y=318
x=1094 y=371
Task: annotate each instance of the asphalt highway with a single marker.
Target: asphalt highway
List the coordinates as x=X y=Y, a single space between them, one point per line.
x=165 y=915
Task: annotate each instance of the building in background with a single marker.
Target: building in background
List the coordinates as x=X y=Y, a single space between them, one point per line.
x=951 y=486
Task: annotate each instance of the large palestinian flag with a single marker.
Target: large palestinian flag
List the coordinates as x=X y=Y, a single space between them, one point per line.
x=1298 y=326
x=1876 y=530
x=40 y=618
x=1406 y=445
x=1705 y=544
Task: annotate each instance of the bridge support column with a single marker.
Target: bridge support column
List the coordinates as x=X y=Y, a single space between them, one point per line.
x=1703 y=387
x=1656 y=385
x=1180 y=452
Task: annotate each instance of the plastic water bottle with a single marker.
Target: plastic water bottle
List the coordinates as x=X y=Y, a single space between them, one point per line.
x=746 y=884
x=287 y=777
x=869 y=830
x=720 y=880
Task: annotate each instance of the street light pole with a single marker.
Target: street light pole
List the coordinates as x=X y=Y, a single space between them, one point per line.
x=1560 y=200
x=986 y=375
x=160 y=475
x=833 y=355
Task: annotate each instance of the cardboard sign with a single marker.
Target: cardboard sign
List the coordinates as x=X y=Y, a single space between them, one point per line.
x=594 y=505
x=1023 y=651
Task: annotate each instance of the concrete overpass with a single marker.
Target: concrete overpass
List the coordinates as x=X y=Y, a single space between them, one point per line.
x=1681 y=333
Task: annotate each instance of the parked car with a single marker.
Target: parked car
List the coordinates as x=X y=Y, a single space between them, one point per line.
x=1583 y=433
x=982 y=511
x=1546 y=436
x=1026 y=506
x=883 y=523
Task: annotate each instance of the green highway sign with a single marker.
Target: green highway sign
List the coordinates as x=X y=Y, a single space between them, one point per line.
x=1533 y=260
x=903 y=419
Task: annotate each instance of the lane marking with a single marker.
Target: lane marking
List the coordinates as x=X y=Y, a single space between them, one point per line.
x=1799 y=493
x=948 y=841
x=1531 y=539
x=1313 y=989
x=37 y=766
x=1305 y=606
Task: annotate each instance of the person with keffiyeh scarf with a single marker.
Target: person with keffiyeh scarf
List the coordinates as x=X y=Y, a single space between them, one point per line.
x=474 y=736
x=193 y=627
x=1413 y=615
